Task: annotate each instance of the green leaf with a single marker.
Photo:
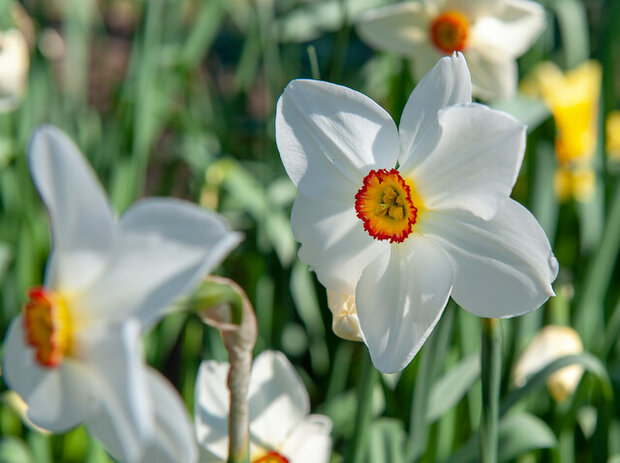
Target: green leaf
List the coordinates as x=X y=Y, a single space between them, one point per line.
x=528 y=111
x=452 y=387
x=14 y=450
x=386 y=441
x=537 y=381
x=518 y=434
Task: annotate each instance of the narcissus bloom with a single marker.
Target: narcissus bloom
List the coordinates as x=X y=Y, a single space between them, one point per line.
x=552 y=343
x=281 y=429
x=403 y=218
x=572 y=98
x=74 y=354
x=491 y=35
x=612 y=139
x=14 y=65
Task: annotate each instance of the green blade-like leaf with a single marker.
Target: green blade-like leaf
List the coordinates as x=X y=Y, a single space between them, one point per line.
x=453 y=386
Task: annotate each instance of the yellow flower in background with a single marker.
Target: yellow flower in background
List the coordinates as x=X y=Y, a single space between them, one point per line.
x=612 y=130
x=572 y=98
x=574 y=182
x=552 y=343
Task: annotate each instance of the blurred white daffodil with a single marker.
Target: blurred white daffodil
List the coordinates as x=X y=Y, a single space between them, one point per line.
x=552 y=343
x=14 y=65
x=74 y=354
x=491 y=35
x=281 y=429
x=402 y=218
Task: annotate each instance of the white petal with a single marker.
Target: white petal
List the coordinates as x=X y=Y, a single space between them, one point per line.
x=173 y=440
x=330 y=136
x=310 y=441
x=333 y=242
x=278 y=398
x=473 y=9
x=400 y=298
x=511 y=31
x=58 y=398
x=164 y=248
x=493 y=77
x=476 y=162
x=211 y=408
x=399 y=28
x=80 y=216
x=447 y=84
x=504 y=266
x=124 y=420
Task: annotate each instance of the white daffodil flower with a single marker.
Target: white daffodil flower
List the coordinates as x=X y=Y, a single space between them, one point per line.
x=281 y=429
x=403 y=218
x=14 y=65
x=552 y=343
x=74 y=354
x=491 y=35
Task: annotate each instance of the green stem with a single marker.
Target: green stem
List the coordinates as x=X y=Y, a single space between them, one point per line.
x=368 y=379
x=491 y=379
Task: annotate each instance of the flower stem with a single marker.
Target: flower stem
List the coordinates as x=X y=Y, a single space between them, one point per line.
x=491 y=361
x=368 y=378
x=222 y=303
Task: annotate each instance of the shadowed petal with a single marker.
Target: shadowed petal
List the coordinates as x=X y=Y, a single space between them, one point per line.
x=278 y=398
x=475 y=163
x=124 y=420
x=504 y=266
x=211 y=409
x=330 y=136
x=165 y=247
x=447 y=84
x=334 y=242
x=400 y=298
x=310 y=441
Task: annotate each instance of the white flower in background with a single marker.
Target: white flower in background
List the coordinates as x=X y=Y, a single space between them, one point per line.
x=74 y=354
x=491 y=35
x=403 y=218
x=14 y=64
x=552 y=343
x=281 y=429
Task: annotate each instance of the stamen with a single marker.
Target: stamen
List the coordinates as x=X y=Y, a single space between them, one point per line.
x=386 y=206
x=449 y=32
x=271 y=457
x=48 y=327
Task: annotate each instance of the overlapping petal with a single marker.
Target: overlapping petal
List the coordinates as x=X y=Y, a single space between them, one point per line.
x=398 y=28
x=493 y=77
x=475 y=163
x=211 y=409
x=81 y=219
x=310 y=441
x=400 y=297
x=278 y=398
x=328 y=135
x=172 y=440
x=124 y=418
x=504 y=266
x=58 y=399
x=447 y=84
x=511 y=30
x=334 y=244
x=164 y=247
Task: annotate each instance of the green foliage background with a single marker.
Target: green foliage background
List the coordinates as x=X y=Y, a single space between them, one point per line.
x=177 y=98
